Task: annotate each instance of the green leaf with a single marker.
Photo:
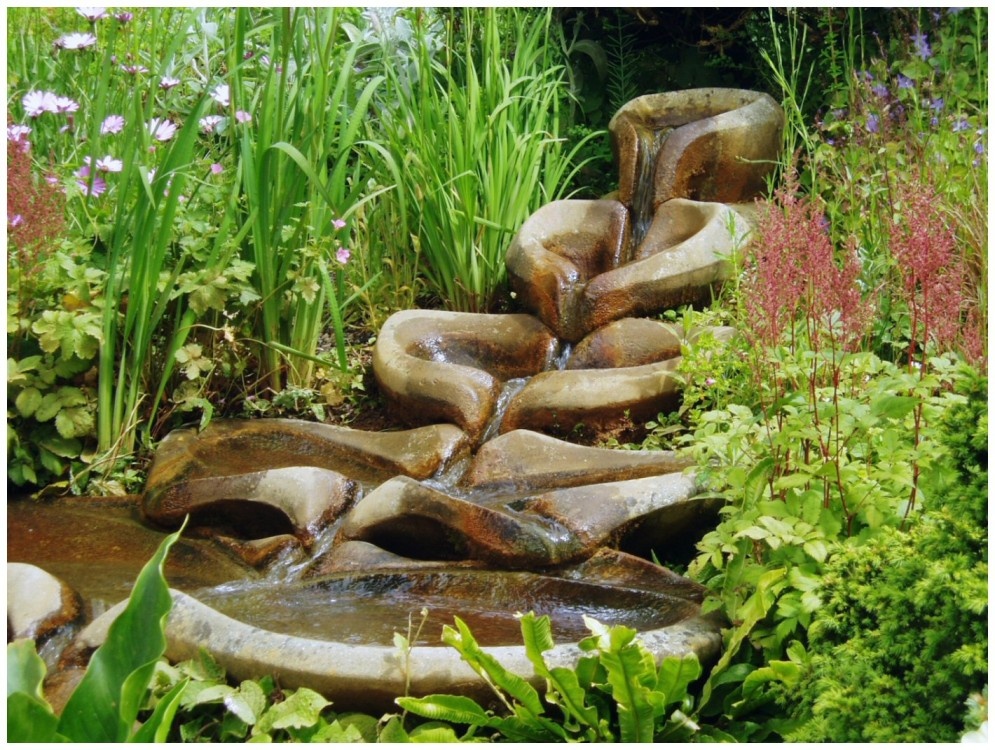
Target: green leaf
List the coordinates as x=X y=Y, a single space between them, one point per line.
x=28 y=401
x=248 y=702
x=393 y=731
x=156 y=727
x=487 y=666
x=302 y=709
x=676 y=673
x=433 y=732
x=60 y=446
x=105 y=704
x=757 y=481
x=76 y=421
x=29 y=720
x=893 y=407
x=456 y=709
x=626 y=668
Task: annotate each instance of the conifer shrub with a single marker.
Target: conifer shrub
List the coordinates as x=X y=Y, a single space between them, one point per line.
x=902 y=638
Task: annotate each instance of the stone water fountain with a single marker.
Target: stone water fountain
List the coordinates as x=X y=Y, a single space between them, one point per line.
x=314 y=543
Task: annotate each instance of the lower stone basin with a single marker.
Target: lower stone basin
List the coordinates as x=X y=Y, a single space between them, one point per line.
x=368 y=609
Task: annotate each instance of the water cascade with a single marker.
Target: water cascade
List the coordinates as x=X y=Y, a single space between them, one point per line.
x=309 y=545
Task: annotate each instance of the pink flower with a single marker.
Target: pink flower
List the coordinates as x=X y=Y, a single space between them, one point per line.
x=161 y=130
x=37 y=102
x=134 y=69
x=112 y=124
x=64 y=104
x=338 y=224
x=16 y=220
x=110 y=164
x=124 y=17
x=99 y=185
x=241 y=116
x=18 y=134
x=76 y=41
x=222 y=94
x=168 y=82
x=209 y=123
x=709 y=381
x=92 y=14
x=217 y=168
x=52 y=179
x=342 y=255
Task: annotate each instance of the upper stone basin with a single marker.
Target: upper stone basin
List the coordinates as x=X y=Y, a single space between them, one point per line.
x=712 y=144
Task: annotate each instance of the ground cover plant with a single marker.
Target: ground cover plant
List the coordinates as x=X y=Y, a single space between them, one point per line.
x=219 y=244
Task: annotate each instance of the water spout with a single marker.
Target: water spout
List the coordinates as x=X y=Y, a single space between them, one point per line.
x=650 y=142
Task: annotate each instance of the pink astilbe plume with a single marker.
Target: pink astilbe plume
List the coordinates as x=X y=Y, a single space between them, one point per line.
x=792 y=274
x=924 y=246
x=35 y=209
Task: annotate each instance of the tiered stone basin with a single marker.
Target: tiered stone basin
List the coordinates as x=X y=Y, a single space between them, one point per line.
x=480 y=509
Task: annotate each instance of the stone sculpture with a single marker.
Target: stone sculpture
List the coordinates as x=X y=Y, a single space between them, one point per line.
x=480 y=501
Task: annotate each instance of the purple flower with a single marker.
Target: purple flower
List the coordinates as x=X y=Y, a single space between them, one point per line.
x=865 y=74
x=92 y=14
x=37 y=102
x=241 y=116
x=338 y=224
x=217 y=168
x=709 y=381
x=880 y=90
x=937 y=104
x=112 y=124
x=904 y=82
x=979 y=148
x=16 y=220
x=134 y=69
x=922 y=45
x=168 y=82
x=65 y=105
x=222 y=94
x=161 y=130
x=52 y=179
x=342 y=255
x=960 y=125
x=209 y=123
x=99 y=185
x=124 y=17
x=873 y=123
x=76 y=41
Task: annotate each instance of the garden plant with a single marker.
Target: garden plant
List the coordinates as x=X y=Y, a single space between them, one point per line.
x=211 y=211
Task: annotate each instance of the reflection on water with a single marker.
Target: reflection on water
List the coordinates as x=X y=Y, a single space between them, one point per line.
x=370 y=609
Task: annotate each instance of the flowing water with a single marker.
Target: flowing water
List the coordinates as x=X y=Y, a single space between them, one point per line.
x=650 y=143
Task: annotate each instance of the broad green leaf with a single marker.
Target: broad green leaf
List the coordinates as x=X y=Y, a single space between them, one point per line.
x=28 y=401
x=60 y=446
x=675 y=674
x=433 y=732
x=757 y=481
x=248 y=702
x=487 y=666
x=302 y=709
x=25 y=669
x=626 y=670
x=156 y=727
x=453 y=708
x=393 y=731
x=74 y=422
x=893 y=407
x=29 y=720
x=105 y=704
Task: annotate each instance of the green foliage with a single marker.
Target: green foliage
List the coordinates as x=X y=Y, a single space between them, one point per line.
x=616 y=693
x=903 y=639
x=105 y=704
x=473 y=137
